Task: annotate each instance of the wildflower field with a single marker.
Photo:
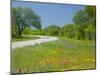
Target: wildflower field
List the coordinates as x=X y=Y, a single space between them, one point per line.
x=61 y=55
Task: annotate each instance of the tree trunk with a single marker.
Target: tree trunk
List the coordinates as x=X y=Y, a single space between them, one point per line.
x=20 y=34
x=20 y=30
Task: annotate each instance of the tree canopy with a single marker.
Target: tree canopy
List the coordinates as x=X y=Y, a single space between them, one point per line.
x=85 y=23
x=24 y=17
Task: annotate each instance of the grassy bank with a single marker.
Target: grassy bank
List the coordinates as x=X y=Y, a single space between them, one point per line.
x=63 y=54
x=24 y=38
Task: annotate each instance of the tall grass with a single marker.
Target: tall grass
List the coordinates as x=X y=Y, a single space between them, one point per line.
x=63 y=54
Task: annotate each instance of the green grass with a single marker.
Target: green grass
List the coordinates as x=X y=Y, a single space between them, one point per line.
x=24 y=38
x=61 y=55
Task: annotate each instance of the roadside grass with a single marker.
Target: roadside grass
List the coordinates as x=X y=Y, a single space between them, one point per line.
x=61 y=55
x=24 y=38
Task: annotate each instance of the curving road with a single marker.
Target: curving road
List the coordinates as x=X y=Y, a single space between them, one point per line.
x=33 y=42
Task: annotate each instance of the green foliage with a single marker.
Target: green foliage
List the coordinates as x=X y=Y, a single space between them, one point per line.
x=22 y=18
x=86 y=16
x=69 y=30
x=52 y=30
x=85 y=23
x=90 y=32
x=80 y=17
x=91 y=11
x=27 y=31
x=36 y=32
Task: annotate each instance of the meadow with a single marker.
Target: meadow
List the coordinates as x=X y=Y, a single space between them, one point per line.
x=61 y=55
x=74 y=27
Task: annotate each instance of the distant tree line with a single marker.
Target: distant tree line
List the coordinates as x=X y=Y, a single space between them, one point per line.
x=83 y=27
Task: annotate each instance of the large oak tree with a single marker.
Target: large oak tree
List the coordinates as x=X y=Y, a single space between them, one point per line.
x=24 y=17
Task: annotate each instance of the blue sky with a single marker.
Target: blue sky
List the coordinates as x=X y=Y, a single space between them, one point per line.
x=57 y=14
